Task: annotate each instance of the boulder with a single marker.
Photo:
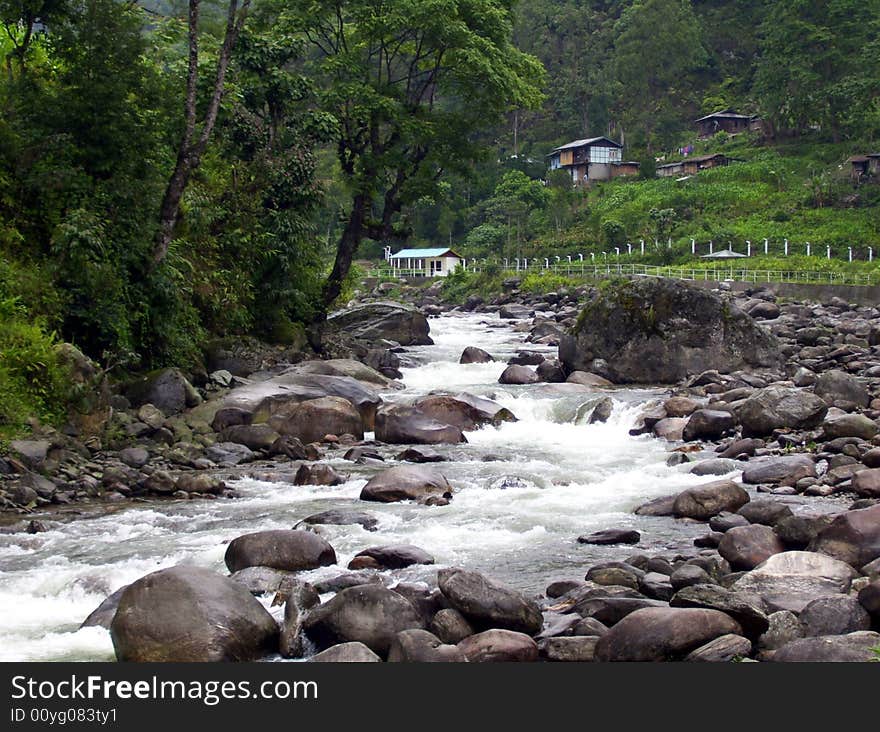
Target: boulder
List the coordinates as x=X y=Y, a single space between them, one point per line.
x=839 y=386
x=166 y=389
x=420 y=646
x=406 y=483
x=487 y=603
x=370 y=614
x=791 y=580
x=518 y=375
x=852 y=537
x=419 y=455
x=866 y=483
x=705 y=501
x=783 y=628
x=663 y=634
x=708 y=424
x=853 y=647
x=406 y=425
x=464 y=411
x=579 y=648
x=849 y=425
x=301 y=598
x=776 y=469
x=317 y=474
x=340 y=517
x=662 y=506
x=187 y=613
x=611 y=536
x=396 y=556
x=472 y=354
x=280 y=549
x=512 y=311
x=768 y=513
x=744 y=608
x=450 y=626
x=103 y=615
x=656 y=330
x=264 y=580
x=351 y=652
x=670 y=428
x=584 y=378
x=724 y=649
x=745 y=547
x=377 y=321
x=254 y=436
x=835 y=615
x=779 y=407
x=311 y=420
x=499 y=645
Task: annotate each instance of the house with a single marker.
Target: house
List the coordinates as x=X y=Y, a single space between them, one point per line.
x=726 y=121
x=437 y=262
x=692 y=165
x=597 y=158
x=864 y=165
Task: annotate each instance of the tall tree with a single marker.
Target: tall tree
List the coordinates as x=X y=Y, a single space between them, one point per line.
x=820 y=64
x=409 y=82
x=193 y=143
x=658 y=48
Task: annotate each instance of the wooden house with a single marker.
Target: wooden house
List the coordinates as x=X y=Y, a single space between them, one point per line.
x=863 y=166
x=436 y=262
x=692 y=165
x=596 y=158
x=726 y=121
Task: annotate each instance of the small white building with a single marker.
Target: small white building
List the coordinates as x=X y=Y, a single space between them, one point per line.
x=437 y=262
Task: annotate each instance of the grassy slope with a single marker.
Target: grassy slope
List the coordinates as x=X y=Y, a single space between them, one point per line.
x=799 y=191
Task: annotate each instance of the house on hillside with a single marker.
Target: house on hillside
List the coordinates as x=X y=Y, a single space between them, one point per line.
x=692 y=165
x=863 y=166
x=597 y=158
x=437 y=262
x=726 y=121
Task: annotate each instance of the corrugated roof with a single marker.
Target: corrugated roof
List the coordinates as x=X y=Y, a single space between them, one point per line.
x=422 y=253
x=728 y=114
x=585 y=143
x=723 y=254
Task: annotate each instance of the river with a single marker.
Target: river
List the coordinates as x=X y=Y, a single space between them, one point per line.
x=516 y=517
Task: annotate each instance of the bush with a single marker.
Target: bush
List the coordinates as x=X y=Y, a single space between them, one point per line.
x=33 y=383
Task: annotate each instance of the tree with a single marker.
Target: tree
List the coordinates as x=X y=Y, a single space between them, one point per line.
x=192 y=146
x=408 y=82
x=21 y=19
x=658 y=48
x=820 y=64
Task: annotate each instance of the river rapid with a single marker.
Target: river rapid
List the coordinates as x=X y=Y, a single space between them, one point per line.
x=516 y=517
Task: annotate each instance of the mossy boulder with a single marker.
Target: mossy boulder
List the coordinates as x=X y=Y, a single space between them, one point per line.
x=661 y=331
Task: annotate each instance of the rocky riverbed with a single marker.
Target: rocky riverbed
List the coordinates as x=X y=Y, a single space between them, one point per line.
x=478 y=499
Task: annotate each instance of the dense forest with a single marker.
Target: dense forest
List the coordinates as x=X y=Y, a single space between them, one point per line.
x=172 y=172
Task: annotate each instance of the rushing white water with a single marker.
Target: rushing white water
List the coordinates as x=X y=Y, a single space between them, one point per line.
x=516 y=517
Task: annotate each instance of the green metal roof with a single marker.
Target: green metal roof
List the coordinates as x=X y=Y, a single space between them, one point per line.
x=423 y=253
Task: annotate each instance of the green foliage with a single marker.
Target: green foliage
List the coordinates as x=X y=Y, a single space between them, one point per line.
x=33 y=383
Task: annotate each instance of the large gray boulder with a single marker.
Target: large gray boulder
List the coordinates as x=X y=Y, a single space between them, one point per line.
x=655 y=330
x=407 y=483
x=853 y=647
x=745 y=547
x=188 y=613
x=311 y=420
x=166 y=389
x=663 y=634
x=839 y=386
x=487 y=603
x=834 y=615
x=280 y=549
x=400 y=424
x=791 y=580
x=420 y=646
x=499 y=645
x=746 y=609
x=705 y=501
x=465 y=411
x=779 y=407
x=370 y=614
x=853 y=537
x=378 y=321
x=779 y=468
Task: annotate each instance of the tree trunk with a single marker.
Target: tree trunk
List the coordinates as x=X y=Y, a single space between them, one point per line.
x=190 y=151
